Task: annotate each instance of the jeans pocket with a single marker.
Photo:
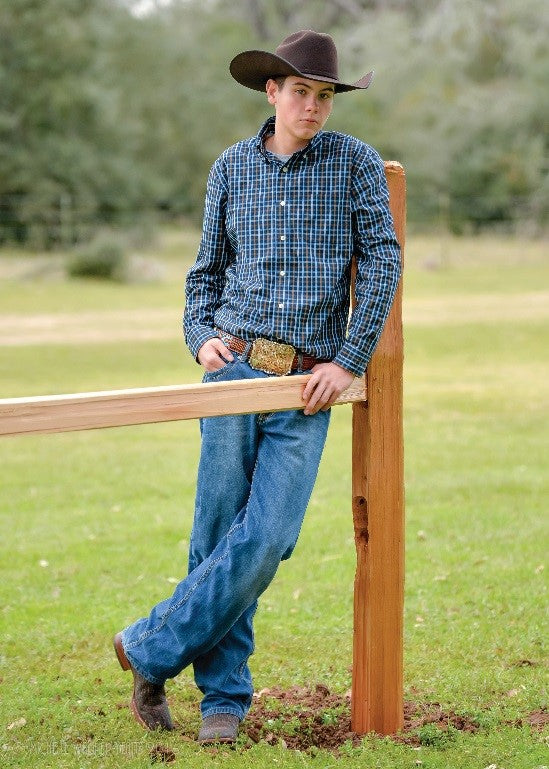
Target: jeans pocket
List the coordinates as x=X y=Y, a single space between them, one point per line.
x=211 y=376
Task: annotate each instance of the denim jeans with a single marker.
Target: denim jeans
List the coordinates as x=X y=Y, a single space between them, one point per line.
x=255 y=478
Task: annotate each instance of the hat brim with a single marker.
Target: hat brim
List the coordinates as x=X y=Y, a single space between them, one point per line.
x=253 y=68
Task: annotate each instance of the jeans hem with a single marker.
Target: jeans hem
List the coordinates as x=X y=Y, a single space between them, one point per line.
x=138 y=669
x=221 y=709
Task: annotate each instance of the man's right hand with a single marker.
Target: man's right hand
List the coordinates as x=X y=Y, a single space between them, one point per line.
x=214 y=354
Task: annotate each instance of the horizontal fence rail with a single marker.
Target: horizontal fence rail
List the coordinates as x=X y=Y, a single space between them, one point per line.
x=115 y=408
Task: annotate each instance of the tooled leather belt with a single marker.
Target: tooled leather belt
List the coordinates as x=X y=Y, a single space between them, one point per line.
x=241 y=346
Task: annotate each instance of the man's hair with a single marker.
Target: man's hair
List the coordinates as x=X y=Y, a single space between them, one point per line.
x=280 y=81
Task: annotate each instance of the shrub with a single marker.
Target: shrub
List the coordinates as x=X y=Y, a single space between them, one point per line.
x=104 y=259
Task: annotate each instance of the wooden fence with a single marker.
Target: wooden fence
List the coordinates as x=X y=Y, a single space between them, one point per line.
x=377 y=479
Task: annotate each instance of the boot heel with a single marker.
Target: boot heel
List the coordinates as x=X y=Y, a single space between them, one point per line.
x=119 y=649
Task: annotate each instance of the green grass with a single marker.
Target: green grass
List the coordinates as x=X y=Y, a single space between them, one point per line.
x=94 y=528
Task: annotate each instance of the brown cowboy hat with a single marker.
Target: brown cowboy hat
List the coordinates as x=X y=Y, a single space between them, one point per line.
x=307 y=54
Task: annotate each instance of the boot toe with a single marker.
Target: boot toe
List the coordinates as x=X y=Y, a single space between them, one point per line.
x=152 y=717
x=221 y=727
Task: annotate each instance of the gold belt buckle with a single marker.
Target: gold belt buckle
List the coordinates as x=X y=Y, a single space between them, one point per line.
x=272 y=357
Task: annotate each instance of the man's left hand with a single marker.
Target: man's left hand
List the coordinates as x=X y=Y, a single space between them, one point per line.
x=327 y=382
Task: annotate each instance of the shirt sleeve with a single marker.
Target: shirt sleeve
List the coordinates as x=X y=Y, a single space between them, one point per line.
x=377 y=255
x=206 y=278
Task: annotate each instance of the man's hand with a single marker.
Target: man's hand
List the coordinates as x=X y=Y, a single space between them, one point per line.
x=214 y=354
x=326 y=384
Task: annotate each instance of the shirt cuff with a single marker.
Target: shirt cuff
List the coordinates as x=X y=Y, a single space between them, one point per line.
x=197 y=336
x=352 y=358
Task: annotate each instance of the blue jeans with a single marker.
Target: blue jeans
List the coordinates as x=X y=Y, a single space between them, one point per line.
x=255 y=478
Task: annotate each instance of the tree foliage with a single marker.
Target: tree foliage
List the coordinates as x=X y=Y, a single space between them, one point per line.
x=112 y=109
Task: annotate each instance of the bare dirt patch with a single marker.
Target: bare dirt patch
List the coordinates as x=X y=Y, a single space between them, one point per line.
x=308 y=719
x=476 y=308
x=162 y=754
x=89 y=327
x=101 y=326
x=537 y=719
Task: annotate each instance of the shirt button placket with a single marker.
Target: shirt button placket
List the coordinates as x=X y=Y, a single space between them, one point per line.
x=282 y=271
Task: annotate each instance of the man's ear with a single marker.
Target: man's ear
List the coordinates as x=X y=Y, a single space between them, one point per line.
x=272 y=91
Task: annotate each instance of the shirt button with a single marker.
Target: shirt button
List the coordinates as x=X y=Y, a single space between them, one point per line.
x=281 y=306
x=282 y=272
x=282 y=202
x=284 y=170
x=283 y=237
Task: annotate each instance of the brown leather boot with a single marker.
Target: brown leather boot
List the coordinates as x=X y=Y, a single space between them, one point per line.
x=221 y=727
x=149 y=704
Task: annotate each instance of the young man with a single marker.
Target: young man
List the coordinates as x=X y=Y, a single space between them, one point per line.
x=268 y=296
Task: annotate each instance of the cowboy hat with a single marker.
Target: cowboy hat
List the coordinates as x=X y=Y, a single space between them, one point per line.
x=307 y=54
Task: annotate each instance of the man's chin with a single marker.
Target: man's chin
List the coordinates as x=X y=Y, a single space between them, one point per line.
x=308 y=131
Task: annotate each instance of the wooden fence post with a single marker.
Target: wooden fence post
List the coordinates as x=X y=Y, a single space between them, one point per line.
x=378 y=517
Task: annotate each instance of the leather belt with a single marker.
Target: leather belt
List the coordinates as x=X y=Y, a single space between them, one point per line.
x=241 y=346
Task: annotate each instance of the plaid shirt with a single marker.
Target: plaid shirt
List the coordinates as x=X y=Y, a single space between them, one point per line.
x=277 y=243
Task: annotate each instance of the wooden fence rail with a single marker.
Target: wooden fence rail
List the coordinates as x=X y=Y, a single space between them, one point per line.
x=114 y=408
x=377 y=479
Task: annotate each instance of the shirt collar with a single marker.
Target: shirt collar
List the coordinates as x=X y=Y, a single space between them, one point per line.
x=268 y=127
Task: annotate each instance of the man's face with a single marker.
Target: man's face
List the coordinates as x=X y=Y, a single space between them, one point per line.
x=302 y=108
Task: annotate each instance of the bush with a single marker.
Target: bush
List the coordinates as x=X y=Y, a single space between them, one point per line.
x=104 y=259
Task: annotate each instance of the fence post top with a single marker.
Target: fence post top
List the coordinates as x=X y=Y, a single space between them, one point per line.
x=393 y=167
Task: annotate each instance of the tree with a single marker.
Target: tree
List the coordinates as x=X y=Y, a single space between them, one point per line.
x=107 y=114
x=64 y=156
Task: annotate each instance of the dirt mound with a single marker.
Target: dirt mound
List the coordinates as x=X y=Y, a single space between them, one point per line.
x=305 y=719
x=162 y=754
x=538 y=720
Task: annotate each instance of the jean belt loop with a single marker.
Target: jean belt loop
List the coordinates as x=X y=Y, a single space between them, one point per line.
x=300 y=362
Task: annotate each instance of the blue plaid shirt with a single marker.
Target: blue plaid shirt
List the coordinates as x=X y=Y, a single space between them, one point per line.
x=277 y=243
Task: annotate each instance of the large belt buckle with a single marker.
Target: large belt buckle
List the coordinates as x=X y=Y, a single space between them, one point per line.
x=272 y=357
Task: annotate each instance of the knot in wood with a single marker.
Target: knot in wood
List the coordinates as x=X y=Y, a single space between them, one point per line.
x=360 y=519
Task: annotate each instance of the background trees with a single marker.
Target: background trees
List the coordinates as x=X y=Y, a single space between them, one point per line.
x=111 y=110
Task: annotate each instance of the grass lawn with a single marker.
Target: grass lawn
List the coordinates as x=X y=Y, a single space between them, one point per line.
x=95 y=525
